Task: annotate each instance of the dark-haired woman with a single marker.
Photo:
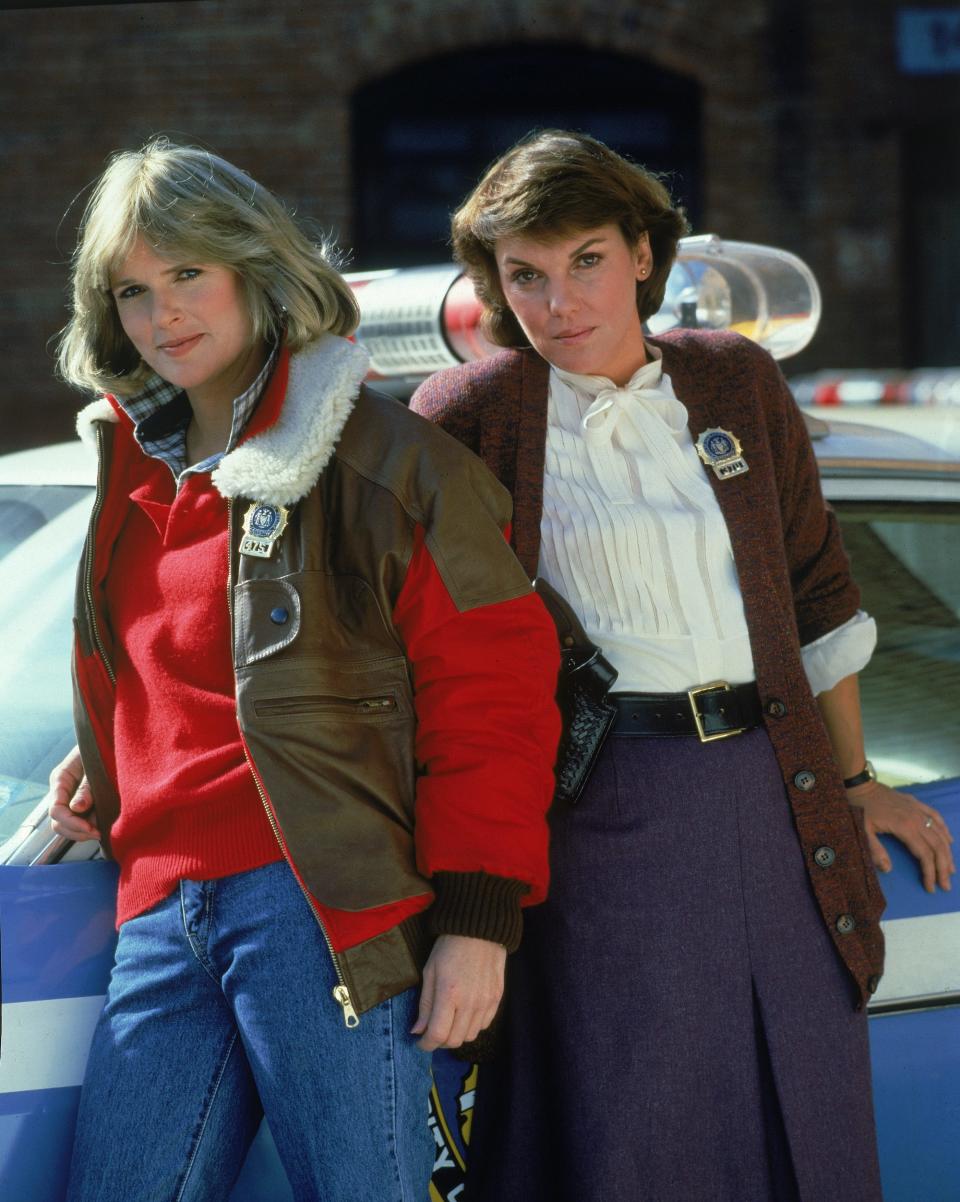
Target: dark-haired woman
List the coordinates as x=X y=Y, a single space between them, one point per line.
x=686 y=1016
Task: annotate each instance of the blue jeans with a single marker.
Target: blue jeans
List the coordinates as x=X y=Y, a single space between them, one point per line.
x=219 y=1010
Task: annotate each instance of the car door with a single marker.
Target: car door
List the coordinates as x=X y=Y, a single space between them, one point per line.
x=902 y=531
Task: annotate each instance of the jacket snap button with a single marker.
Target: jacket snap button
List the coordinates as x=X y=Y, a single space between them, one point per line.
x=279 y=615
x=805 y=780
x=824 y=856
x=846 y=923
x=776 y=708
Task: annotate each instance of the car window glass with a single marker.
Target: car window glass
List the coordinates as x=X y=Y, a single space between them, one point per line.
x=41 y=534
x=906 y=560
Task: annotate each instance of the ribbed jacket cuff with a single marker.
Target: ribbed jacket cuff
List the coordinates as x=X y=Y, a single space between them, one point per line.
x=479 y=905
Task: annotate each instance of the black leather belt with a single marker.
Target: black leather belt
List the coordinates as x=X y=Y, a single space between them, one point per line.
x=710 y=711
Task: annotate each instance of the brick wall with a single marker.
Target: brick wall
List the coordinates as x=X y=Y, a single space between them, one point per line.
x=802 y=118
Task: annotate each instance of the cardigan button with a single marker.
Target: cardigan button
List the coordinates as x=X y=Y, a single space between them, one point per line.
x=824 y=856
x=805 y=780
x=846 y=923
x=776 y=708
x=873 y=982
x=279 y=616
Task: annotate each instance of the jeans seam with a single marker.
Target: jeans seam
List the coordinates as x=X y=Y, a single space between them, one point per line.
x=392 y=1091
x=203 y=1125
x=208 y=892
x=200 y=959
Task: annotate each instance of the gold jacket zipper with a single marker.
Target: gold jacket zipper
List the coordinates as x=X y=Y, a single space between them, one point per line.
x=341 y=993
x=88 y=566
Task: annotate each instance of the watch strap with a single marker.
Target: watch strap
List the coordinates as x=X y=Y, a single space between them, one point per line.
x=861 y=778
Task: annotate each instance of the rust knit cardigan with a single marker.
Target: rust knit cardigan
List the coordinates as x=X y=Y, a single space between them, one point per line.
x=793 y=572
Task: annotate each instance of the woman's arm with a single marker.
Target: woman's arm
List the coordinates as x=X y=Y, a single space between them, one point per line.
x=825 y=597
x=885 y=811
x=444 y=399
x=487 y=728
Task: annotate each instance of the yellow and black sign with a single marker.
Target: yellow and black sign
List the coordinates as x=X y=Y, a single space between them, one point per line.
x=451 y=1113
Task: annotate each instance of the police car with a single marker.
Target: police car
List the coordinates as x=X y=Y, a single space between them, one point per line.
x=898 y=499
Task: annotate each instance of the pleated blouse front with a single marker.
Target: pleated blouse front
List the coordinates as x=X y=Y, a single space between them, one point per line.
x=633 y=536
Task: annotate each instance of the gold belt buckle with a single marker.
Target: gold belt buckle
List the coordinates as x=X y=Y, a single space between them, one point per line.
x=693 y=694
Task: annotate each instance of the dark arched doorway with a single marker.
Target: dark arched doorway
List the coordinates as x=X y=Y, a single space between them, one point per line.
x=422 y=135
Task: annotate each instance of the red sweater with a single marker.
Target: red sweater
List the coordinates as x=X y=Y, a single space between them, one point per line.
x=190 y=804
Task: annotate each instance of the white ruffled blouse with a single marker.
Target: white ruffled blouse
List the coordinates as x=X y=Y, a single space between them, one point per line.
x=632 y=535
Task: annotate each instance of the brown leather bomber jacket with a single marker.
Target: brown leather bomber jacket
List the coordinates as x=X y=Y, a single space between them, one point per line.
x=358 y=473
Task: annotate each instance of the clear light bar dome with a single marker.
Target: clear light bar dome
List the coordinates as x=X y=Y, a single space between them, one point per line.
x=762 y=292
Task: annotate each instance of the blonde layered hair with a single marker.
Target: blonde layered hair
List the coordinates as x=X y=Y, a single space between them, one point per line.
x=190 y=205
x=551 y=185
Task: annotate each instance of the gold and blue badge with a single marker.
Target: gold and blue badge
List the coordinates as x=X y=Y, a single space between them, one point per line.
x=721 y=450
x=262 y=526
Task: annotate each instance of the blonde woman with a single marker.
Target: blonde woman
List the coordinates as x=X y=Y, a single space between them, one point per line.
x=307 y=712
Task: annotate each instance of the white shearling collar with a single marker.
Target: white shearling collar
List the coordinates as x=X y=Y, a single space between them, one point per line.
x=282 y=464
x=99 y=410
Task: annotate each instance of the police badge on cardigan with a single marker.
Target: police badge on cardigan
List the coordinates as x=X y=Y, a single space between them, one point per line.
x=262 y=526
x=721 y=450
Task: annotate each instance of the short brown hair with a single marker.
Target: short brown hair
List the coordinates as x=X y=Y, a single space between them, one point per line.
x=186 y=201
x=553 y=184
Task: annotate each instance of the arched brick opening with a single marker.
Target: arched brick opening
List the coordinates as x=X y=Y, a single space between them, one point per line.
x=422 y=134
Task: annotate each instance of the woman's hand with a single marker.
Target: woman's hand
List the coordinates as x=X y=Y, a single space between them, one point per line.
x=462 y=987
x=70 y=799
x=920 y=827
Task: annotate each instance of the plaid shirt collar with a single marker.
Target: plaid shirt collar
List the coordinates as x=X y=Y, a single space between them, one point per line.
x=161 y=413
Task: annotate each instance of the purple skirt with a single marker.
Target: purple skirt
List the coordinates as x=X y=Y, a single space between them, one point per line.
x=679 y=1025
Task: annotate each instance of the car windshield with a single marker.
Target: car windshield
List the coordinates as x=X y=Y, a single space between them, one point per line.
x=906 y=559
x=41 y=533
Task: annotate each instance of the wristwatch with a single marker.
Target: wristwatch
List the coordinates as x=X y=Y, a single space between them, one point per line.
x=868 y=773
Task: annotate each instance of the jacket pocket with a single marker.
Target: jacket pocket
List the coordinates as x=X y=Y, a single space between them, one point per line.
x=358 y=707
x=267 y=619
x=333 y=743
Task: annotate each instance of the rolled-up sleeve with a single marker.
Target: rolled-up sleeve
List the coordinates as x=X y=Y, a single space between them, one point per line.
x=825 y=595
x=840 y=652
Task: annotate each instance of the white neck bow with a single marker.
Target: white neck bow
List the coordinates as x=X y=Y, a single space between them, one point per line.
x=632 y=402
x=646 y=406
